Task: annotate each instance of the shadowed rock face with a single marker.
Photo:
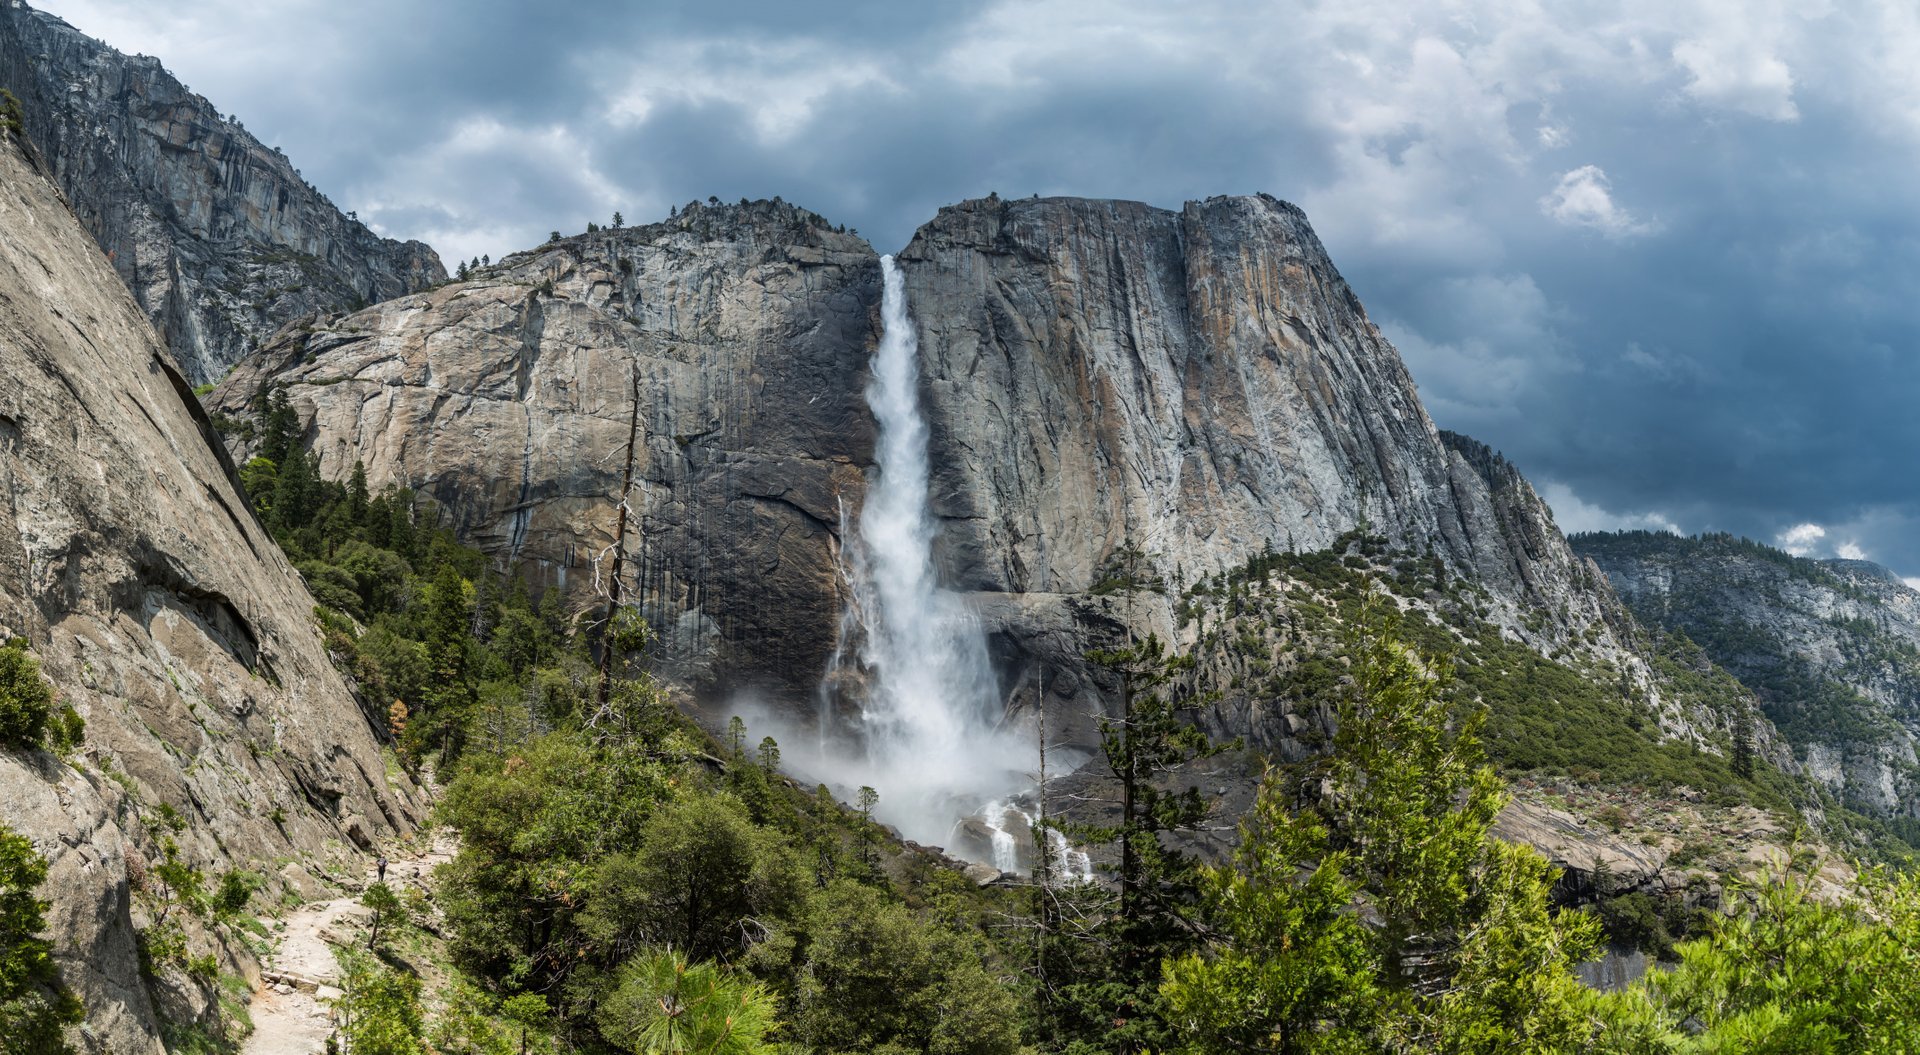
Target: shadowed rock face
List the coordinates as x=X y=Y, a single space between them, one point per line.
x=163 y=613
x=747 y=330
x=219 y=238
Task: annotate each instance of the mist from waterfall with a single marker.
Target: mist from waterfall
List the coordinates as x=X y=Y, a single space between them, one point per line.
x=935 y=744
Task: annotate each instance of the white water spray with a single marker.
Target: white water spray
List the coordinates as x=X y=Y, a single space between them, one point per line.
x=935 y=744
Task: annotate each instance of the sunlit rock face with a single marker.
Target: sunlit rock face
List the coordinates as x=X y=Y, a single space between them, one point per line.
x=163 y=613
x=1200 y=385
x=218 y=236
x=745 y=332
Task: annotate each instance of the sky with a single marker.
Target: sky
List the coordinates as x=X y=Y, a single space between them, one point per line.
x=1665 y=254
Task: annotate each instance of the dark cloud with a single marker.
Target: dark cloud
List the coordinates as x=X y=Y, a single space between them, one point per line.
x=1661 y=253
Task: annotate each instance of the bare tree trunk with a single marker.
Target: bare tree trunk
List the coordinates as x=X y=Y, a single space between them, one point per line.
x=619 y=555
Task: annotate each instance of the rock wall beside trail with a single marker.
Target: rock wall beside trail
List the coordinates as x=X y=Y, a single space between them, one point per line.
x=162 y=612
x=218 y=236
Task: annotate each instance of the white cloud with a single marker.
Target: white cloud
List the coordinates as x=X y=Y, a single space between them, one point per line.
x=1574 y=515
x=1801 y=539
x=1584 y=198
x=1737 y=74
x=1913 y=583
x=1852 y=551
x=779 y=86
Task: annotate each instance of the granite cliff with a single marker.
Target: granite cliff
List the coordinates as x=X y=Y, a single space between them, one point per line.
x=167 y=618
x=1832 y=648
x=1098 y=377
x=742 y=331
x=217 y=235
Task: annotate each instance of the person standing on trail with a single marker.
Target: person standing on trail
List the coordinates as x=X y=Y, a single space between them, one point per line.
x=380 y=869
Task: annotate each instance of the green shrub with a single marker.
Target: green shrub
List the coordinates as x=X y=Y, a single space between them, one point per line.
x=12 y=121
x=26 y=701
x=34 y=1006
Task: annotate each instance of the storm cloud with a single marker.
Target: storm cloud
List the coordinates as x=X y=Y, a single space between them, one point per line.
x=1663 y=253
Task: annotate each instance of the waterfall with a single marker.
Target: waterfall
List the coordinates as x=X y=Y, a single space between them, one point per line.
x=1069 y=864
x=931 y=721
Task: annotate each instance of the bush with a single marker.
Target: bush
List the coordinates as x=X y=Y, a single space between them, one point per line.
x=34 y=1006
x=26 y=701
x=665 y=1005
x=12 y=121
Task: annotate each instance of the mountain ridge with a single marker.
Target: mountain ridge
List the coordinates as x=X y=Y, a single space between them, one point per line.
x=219 y=238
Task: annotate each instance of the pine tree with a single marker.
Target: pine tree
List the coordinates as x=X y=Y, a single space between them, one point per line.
x=34 y=1005
x=1463 y=953
x=1743 y=745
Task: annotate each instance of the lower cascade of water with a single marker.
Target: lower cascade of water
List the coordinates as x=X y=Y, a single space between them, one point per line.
x=1010 y=831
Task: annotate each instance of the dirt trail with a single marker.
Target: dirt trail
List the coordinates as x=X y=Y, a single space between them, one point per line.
x=290 y=1011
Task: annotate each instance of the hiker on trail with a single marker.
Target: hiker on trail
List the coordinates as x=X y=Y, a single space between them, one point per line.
x=380 y=868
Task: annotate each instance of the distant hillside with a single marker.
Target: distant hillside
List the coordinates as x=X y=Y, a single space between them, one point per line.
x=1832 y=648
x=218 y=236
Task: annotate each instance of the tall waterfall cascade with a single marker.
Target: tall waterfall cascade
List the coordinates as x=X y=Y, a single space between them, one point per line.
x=936 y=744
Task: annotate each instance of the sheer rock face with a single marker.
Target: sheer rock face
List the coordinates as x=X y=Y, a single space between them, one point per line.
x=507 y=399
x=163 y=613
x=219 y=238
x=1199 y=384
x=1831 y=647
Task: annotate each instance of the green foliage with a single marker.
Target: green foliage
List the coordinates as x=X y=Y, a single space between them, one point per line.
x=66 y=731
x=472 y=1022
x=380 y=900
x=234 y=892
x=26 y=700
x=877 y=977
x=34 y=1005
x=1293 y=967
x=1787 y=972
x=663 y=1004
x=1101 y=978
x=1463 y=952
x=703 y=880
x=379 y=1012
x=13 y=121
x=535 y=827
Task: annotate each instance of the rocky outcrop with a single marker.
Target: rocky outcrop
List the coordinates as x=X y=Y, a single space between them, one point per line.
x=162 y=612
x=743 y=332
x=1831 y=648
x=218 y=236
x=1201 y=385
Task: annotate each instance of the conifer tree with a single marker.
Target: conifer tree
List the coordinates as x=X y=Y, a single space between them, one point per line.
x=34 y=1005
